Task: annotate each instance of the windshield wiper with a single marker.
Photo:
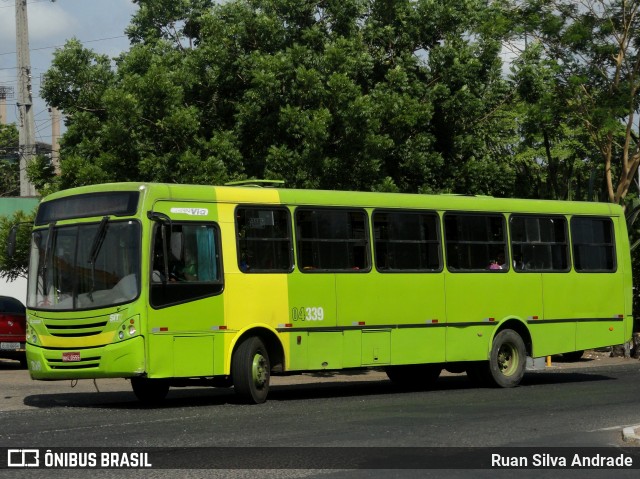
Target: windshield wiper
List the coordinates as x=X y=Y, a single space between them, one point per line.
x=95 y=249
x=48 y=247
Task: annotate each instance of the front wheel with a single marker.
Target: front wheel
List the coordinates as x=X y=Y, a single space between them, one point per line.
x=508 y=359
x=251 y=371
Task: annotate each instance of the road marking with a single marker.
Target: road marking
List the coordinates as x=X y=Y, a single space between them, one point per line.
x=612 y=428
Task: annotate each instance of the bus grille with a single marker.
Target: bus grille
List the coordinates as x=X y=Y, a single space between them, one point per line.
x=89 y=327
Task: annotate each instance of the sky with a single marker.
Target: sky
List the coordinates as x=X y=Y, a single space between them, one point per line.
x=98 y=24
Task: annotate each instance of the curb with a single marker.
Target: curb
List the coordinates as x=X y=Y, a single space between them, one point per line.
x=631 y=434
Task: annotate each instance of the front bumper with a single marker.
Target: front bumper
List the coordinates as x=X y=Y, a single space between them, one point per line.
x=123 y=359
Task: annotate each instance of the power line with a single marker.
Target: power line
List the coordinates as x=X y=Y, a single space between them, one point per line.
x=60 y=46
x=28 y=3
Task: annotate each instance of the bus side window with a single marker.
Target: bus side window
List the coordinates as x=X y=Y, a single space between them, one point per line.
x=406 y=241
x=475 y=242
x=192 y=269
x=539 y=243
x=332 y=239
x=593 y=244
x=264 y=242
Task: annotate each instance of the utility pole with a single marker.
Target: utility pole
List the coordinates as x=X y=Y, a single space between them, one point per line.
x=55 y=137
x=5 y=92
x=27 y=126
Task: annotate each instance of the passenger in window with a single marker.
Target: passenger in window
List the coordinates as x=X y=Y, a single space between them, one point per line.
x=190 y=269
x=493 y=265
x=501 y=261
x=518 y=263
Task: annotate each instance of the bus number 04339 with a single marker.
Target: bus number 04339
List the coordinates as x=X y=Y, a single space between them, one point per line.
x=308 y=314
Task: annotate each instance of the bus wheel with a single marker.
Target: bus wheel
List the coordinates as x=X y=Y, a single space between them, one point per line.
x=250 y=371
x=149 y=391
x=414 y=376
x=508 y=359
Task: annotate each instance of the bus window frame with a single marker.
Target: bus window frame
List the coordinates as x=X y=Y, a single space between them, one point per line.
x=416 y=212
x=292 y=258
x=78 y=225
x=505 y=236
x=567 y=248
x=155 y=228
x=132 y=196
x=613 y=245
x=367 y=239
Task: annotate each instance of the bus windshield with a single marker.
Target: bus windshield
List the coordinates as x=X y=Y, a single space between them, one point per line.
x=85 y=266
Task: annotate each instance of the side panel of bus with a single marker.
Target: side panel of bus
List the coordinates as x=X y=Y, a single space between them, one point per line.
x=182 y=338
x=477 y=302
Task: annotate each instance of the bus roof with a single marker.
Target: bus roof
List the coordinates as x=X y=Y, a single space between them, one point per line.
x=258 y=195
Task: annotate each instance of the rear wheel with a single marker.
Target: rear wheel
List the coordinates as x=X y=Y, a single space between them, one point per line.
x=507 y=360
x=149 y=391
x=414 y=376
x=251 y=371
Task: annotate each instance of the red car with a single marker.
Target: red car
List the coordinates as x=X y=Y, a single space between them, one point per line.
x=12 y=329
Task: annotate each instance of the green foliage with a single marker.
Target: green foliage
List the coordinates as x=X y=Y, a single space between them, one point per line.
x=9 y=165
x=15 y=266
x=41 y=174
x=352 y=94
x=580 y=74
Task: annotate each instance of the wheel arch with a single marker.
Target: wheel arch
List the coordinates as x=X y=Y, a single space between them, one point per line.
x=517 y=325
x=269 y=338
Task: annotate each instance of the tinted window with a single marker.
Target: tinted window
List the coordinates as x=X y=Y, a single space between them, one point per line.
x=539 y=243
x=406 y=241
x=85 y=266
x=332 y=239
x=264 y=242
x=121 y=203
x=11 y=305
x=186 y=263
x=593 y=240
x=475 y=242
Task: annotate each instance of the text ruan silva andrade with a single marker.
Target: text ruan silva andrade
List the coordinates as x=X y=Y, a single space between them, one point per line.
x=569 y=461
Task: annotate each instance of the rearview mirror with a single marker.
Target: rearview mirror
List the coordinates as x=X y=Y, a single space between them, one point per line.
x=11 y=241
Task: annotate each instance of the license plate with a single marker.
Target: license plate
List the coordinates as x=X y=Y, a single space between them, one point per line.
x=70 y=357
x=9 y=346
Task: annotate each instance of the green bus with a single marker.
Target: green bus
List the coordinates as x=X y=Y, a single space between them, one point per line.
x=171 y=285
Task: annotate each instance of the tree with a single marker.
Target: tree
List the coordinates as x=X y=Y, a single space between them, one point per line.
x=592 y=51
x=15 y=266
x=554 y=147
x=9 y=164
x=351 y=94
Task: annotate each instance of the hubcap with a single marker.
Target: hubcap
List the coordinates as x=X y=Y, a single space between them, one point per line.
x=260 y=370
x=507 y=359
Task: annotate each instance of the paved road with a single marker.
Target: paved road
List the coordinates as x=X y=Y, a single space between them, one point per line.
x=584 y=404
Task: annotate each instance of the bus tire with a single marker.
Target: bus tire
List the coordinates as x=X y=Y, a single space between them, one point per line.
x=149 y=391
x=251 y=371
x=414 y=376
x=508 y=358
